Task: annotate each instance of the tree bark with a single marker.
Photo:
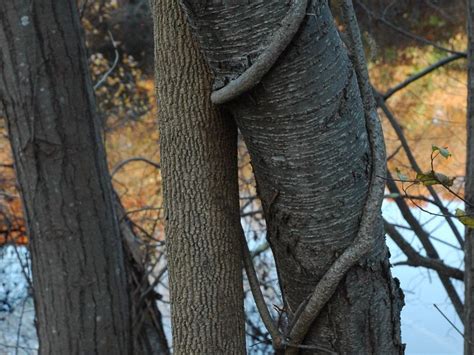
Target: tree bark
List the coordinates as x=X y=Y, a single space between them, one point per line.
x=199 y=170
x=305 y=130
x=79 y=279
x=469 y=191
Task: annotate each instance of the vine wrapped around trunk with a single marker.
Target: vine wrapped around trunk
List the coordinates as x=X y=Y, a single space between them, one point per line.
x=304 y=125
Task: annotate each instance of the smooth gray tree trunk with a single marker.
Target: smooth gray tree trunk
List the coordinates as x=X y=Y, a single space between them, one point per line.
x=305 y=129
x=80 y=287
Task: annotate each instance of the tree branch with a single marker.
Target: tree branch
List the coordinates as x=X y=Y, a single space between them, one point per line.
x=424 y=238
x=114 y=64
x=402 y=31
x=416 y=260
x=422 y=73
x=411 y=158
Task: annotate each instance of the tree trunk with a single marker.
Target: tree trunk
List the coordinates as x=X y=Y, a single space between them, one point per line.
x=199 y=170
x=469 y=191
x=305 y=129
x=79 y=280
x=148 y=333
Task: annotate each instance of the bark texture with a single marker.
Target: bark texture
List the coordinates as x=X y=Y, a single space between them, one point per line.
x=199 y=169
x=469 y=191
x=80 y=286
x=305 y=129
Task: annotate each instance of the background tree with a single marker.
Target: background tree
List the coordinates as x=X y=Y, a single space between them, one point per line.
x=80 y=289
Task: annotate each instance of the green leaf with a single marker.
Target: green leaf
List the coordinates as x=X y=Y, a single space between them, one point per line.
x=427 y=179
x=468 y=221
x=401 y=176
x=433 y=178
x=443 y=151
x=394 y=195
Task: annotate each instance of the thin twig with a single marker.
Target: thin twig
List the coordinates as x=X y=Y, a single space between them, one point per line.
x=129 y=160
x=111 y=69
x=422 y=73
x=416 y=260
x=83 y=9
x=395 y=152
x=24 y=268
x=20 y=323
x=414 y=164
x=17 y=346
x=403 y=31
x=424 y=238
x=452 y=324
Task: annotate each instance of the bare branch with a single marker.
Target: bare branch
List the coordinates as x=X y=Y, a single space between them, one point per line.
x=452 y=324
x=416 y=260
x=251 y=213
x=424 y=238
x=111 y=69
x=403 y=31
x=411 y=158
x=422 y=73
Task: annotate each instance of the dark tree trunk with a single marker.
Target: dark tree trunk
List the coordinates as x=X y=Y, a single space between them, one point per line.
x=199 y=170
x=148 y=332
x=79 y=279
x=305 y=129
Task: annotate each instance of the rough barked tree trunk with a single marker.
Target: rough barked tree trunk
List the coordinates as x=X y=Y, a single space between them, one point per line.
x=79 y=281
x=305 y=129
x=147 y=325
x=199 y=169
x=469 y=191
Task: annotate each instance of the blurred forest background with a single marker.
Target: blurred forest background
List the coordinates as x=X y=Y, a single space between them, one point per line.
x=401 y=37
